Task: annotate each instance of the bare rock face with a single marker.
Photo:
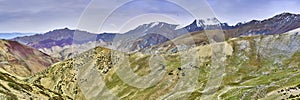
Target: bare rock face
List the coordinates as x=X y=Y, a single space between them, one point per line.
x=23 y=60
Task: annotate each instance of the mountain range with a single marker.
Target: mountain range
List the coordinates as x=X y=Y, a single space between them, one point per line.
x=146 y=35
x=255 y=67
x=260 y=61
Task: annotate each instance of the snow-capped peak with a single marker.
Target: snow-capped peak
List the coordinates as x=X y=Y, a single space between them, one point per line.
x=199 y=23
x=208 y=21
x=154 y=24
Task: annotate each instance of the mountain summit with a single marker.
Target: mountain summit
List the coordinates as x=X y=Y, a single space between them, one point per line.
x=206 y=24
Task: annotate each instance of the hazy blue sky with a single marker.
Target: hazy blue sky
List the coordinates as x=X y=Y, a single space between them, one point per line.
x=45 y=15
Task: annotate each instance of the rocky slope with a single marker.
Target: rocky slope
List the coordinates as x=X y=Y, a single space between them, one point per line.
x=13 y=88
x=278 y=24
x=22 y=60
x=254 y=67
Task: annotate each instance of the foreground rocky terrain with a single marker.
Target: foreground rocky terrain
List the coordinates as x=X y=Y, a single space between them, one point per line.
x=254 y=67
x=22 y=60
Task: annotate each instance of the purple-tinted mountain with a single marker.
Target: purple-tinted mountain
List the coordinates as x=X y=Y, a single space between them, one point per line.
x=62 y=37
x=48 y=43
x=106 y=37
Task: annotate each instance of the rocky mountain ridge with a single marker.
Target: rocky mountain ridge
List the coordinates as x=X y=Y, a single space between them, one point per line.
x=146 y=35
